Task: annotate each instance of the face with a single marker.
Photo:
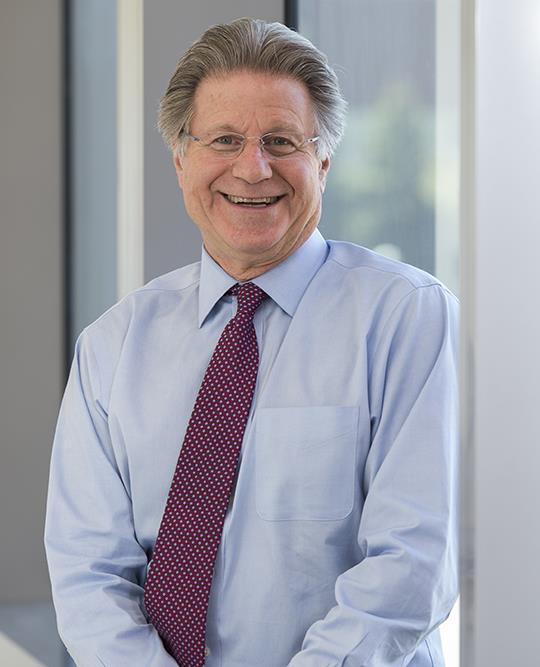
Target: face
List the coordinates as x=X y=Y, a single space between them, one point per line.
x=247 y=239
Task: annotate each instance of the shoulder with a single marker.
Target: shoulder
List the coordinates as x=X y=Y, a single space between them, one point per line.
x=379 y=276
x=141 y=307
x=382 y=292
x=362 y=262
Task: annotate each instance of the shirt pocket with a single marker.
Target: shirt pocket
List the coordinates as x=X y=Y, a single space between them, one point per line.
x=305 y=462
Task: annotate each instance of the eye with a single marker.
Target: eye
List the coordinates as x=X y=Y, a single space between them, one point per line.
x=226 y=142
x=278 y=140
x=279 y=144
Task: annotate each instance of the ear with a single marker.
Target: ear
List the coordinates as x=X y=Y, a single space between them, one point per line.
x=179 y=167
x=323 y=172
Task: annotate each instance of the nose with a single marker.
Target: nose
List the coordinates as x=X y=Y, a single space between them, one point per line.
x=252 y=165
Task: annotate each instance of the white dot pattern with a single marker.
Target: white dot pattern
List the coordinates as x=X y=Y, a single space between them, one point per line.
x=178 y=585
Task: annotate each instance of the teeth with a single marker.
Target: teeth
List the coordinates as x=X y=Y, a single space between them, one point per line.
x=251 y=200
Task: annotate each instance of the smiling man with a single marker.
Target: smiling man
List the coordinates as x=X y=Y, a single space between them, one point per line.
x=256 y=455
x=254 y=207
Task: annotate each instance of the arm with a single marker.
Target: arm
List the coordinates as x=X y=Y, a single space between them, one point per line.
x=406 y=583
x=96 y=564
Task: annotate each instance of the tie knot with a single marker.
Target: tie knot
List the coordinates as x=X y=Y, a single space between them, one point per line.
x=249 y=296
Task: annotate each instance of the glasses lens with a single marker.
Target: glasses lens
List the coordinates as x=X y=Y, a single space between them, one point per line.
x=225 y=144
x=279 y=144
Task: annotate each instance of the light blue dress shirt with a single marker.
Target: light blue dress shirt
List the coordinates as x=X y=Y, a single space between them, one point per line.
x=339 y=545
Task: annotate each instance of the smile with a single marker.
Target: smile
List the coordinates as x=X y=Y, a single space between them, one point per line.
x=258 y=202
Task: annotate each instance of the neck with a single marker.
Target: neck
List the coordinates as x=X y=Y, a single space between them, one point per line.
x=242 y=269
x=241 y=272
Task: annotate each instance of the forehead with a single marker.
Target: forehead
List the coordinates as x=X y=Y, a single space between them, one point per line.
x=246 y=100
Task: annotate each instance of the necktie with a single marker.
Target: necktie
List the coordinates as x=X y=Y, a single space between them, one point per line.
x=180 y=574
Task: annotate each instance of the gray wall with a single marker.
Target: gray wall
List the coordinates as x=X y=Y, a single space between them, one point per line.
x=31 y=350
x=171 y=240
x=31 y=357
x=31 y=240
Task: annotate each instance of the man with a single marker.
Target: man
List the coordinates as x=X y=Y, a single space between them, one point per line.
x=255 y=460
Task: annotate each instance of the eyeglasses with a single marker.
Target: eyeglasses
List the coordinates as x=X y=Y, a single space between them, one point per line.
x=275 y=144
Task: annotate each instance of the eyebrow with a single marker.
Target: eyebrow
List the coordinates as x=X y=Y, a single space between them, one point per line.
x=275 y=128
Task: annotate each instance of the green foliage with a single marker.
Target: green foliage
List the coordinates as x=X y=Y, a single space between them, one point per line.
x=380 y=185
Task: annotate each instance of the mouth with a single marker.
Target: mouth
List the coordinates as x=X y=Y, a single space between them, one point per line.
x=252 y=202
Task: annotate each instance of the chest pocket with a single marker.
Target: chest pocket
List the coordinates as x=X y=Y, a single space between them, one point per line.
x=305 y=462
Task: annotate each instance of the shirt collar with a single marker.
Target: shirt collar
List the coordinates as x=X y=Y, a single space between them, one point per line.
x=284 y=283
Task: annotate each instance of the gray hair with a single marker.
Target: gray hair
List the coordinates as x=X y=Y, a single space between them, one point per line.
x=254 y=45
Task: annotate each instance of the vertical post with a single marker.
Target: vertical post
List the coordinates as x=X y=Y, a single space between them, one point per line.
x=467 y=341
x=291 y=14
x=447 y=148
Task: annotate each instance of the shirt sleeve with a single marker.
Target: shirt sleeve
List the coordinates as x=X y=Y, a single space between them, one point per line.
x=96 y=565
x=406 y=582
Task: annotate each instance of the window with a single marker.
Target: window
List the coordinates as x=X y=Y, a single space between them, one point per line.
x=393 y=185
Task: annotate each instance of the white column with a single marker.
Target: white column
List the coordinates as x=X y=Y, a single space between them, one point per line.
x=501 y=385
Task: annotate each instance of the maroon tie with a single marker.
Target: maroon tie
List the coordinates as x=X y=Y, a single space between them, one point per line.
x=180 y=575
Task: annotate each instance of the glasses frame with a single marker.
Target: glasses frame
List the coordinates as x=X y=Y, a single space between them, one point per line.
x=245 y=139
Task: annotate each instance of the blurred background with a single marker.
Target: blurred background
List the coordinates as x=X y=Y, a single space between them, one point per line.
x=90 y=210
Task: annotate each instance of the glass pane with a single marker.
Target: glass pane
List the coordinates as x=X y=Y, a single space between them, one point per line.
x=382 y=188
x=92 y=155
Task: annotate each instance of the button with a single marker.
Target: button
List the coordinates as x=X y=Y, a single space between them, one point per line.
x=206 y=651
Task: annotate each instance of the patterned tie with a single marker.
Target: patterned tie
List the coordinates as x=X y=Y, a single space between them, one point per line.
x=180 y=576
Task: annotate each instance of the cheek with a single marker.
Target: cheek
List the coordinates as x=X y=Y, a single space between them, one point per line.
x=309 y=192
x=195 y=188
x=195 y=179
